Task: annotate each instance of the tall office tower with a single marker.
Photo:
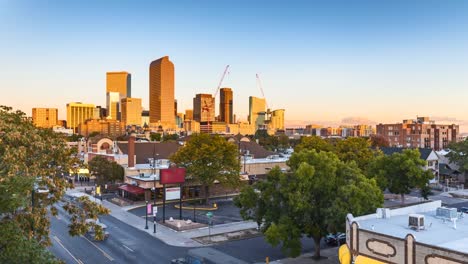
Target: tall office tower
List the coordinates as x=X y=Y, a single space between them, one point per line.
x=203 y=108
x=113 y=105
x=188 y=114
x=45 y=117
x=161 y=92
x=257 y=107
x=175 y=107
x=118 y=86
x=119 y=82
x=277 y=120
x=77 y=113
x=226 y=106
x=131 y=111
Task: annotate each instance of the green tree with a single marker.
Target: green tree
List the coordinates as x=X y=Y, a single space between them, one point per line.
x=31 y=158
x=458 y=154
x=74 y=138
x=82 y=211
x=105 y=170
x=313 y=200
x=155 y=136
x=356 y=149
x=170 y=137
x=208 y=159
x=401 y=172
x=379 y=141
x=313 y=142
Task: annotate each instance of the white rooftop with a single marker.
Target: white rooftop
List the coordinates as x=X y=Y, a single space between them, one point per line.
x=437 y=232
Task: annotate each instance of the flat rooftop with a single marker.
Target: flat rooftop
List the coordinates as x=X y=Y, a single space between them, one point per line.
x=437 y=232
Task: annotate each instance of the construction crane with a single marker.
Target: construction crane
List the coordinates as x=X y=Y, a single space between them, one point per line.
x=260 y=85
x=221 y=81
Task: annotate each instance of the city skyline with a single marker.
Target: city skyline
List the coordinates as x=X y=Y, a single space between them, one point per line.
x=334 y=60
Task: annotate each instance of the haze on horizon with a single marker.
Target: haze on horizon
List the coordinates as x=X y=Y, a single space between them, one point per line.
x=381 y=61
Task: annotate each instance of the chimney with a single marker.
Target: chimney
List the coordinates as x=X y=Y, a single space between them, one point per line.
x=131 y=151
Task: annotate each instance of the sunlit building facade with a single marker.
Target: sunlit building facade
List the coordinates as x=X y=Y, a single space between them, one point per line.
x=45 y=117
x=161 y=92
x=226 y=105
x=131 y=111
x=77 y=113
x=203 y=108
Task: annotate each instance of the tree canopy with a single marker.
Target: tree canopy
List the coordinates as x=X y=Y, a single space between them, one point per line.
x=459 y=154
x=356 y=149
x=312 y=200
x=105 y=171
x=31 y=159
x=209 y=158
x=401 y=172
x=313 y=142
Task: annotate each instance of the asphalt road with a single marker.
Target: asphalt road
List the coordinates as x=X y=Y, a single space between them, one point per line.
x=227 y=212
x=124 y=245
x=127 y=244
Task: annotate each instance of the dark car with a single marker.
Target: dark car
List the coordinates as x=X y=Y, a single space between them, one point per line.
x=335 y=239
x=464 y=210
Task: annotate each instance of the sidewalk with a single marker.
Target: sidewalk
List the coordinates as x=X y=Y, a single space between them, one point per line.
x=165 y=234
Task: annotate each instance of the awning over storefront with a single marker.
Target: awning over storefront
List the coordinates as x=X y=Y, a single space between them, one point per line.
x=132 y=189
x=365 y=260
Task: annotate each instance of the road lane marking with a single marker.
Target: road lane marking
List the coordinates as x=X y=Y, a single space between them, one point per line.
x=102 y=251
x=60 y=243
x=125 y=246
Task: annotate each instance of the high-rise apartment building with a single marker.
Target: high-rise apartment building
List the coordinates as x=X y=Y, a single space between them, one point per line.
x=119 y=82
x=131 y=111
x=257 y=107
x=204 y=108
x=419 y=133
x=161 y=92
x=45 y=117
x=226 y=106
x=77 y=113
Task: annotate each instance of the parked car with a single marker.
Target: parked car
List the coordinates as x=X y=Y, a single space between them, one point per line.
x=464 y=210
x=335 y=239
x=91 y=232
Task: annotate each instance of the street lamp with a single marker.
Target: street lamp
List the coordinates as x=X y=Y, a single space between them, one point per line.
x=146 y=215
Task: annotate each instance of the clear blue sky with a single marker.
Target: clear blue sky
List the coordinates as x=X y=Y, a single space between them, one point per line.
x=320 y=60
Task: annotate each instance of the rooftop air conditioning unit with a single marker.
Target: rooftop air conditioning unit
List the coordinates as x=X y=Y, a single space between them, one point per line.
x=416 y=221
x=446 y=213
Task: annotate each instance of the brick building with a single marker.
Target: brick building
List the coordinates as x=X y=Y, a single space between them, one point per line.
x=419 y=133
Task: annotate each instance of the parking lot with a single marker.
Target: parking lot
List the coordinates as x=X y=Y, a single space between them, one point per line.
x=227 y=212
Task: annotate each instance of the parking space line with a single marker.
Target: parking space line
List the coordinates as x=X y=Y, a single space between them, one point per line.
x=60 y=243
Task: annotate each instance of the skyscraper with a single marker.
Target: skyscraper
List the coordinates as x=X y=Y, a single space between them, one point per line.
x=45 y=117
x=131 y=111
x=203 y=108
x=226 y=106
x=118 y=86
x=119 y=82
x=161 y=92
x=257 y=107
x=113 y=105
x=77 y=113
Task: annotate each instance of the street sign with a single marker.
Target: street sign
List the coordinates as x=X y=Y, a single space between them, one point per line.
x=172 y=193
x=149 y=208
x=155 y=210
x=209 y=214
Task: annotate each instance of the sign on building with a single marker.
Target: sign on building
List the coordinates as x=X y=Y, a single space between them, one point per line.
x=172 y=193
